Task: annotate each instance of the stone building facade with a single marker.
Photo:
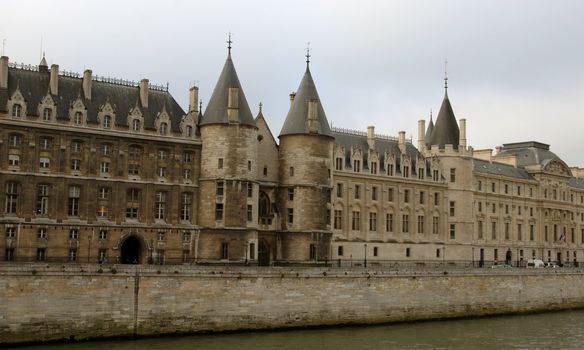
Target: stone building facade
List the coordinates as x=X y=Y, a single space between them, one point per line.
x=97 y=169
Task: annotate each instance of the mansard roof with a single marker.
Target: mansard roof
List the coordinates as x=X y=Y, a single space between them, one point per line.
x=349 y=139
x=483 y=166
x=216 y=112
x=529 y=153
x=34 y=86
x=446 y=130
x=296 y=120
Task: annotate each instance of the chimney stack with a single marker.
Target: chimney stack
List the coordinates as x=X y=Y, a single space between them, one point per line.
x=371 y=136
x=402 y=142
x=54 y=79
x=87 y=76
x=463 y=133
x=4 y=72
x=144 y=92
x=421 y=135
x=292 y=96
x=194 y=99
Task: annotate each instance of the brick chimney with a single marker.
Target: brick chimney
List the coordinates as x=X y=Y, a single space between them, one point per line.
x=144 y=92
x=4 y=72
x=87 y=75
x=54 y=79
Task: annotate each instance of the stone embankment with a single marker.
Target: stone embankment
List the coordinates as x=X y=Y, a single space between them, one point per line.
x=40 y=302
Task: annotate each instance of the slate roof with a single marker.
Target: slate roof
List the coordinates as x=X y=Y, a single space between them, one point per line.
x=295 y=122
x=34 y=86
x=429 y=131
x=216 y=112
x=446 y=130
x=576 y=182
x=529 y=153
x=483 y=166
x=381 y=146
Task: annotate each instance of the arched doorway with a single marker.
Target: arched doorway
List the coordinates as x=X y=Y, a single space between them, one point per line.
x=263 y=253
x=508 y=257
x=131 y=249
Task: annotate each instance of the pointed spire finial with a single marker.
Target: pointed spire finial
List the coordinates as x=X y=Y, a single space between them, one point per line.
x=200 y=105
x=446 y=74
x=261 y=105
x=430 y=114
x=307 y=53
x=229 y=41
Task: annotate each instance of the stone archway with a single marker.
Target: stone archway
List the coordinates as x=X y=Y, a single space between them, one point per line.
x=263 y=253
x=131 y=251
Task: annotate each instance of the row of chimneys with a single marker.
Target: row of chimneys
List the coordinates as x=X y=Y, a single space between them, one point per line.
x=87 y=82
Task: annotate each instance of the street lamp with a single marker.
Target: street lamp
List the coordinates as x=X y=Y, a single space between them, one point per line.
x=365 y=260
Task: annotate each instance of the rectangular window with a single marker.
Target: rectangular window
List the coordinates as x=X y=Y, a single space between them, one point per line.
x=105 y=149
x=186 y=237
x=435 y=175
x=249 y=212
x=480 y=185
x=436 y=198
x=224 y=251
x=291 y=171
x=545 y=233
x=506 y=189
x=132 y=203
x=452 y=231
x=219 y=188
x=519 y=232
x=13 y=160
x=375 y=251
x=507 y=231
x=187 y=174
x=496 y=254
x=42 y=233
x=357 y=191
x=422 y=197
x=74 y=233
x=356 y=221
x=10 y=232
x=133 y=169
x=102 y=235
x=452 y=208
x=374 y=193
x=160 y=205
x=249 y=190
x=46 y=143
x=72 y=255
x=160 y=236
x=74 y=194
x=406 y=171
x=531 y=232
x=220 y=163
x=494 y=230
x=186 y=200
x=44 y=163
x=390 y=194
x=373 y=168
x=339 y=163
x=438 y=252
x=218 y=211
x=421 y=173
x=373 y=222
x=406 y=196
x=435 y=225
x=104 y=167
x=14 y=141
x=42 y=199
x=408 y=252
x=405 y=223
x=421 y=223
x=290 y=216
x=389 y=222
x=452 y=175
x=312 y=252
x=162 y=172
x=390 y=169
x=356 y=165
x=187 y=157
x=41 y=254
x=249 y=165
x=9 y=254
x=291 y=194
x=480 y=229
x=338 y=224
x=340 y=250
x=75 y=164
x=480 y=207
x=339 y=190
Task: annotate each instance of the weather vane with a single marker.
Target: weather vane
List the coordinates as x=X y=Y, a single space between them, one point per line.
x=308 y=52
x=445 y=73
x=229 y=41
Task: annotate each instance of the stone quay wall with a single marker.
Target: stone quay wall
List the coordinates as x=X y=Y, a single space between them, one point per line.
x=40 y=302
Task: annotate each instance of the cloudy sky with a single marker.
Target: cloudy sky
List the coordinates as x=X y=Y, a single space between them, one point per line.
x=516 y=68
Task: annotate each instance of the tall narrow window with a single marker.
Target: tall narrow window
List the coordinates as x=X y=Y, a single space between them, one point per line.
x=249 y=212
x=160 y=205
x=435 y=225
x=291 y=171
x=47 y=114
x=12 y=192
x=373 y=222
x=132 y=203
x=78 y=118
x=219 y=189
x=452 y=231
x=189 y=131
x=389 y=222
x=14 y=141
x=16 y=111
x=338 y=223
x=405 y=223
x=42 y=199
x=220 y=163
x=452 y=208
x=163 y=128
x=74 y=194
x=356 y=221
x=107 y=122
x=421 y=223
x=224 y=250
x=135 y=125
x=357 y=191
x=452 y=175
x=185 y=206
x=290 y=216
x=249 y=190
x=291 y=193
x=218 y=211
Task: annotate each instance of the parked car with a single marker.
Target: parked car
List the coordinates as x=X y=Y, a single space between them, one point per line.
x=535 y=264
x=552 y=265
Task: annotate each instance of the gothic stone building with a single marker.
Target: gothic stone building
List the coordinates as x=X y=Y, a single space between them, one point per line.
x=96 y=169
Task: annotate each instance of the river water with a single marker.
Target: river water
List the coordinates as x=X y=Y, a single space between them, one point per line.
x=556 y=330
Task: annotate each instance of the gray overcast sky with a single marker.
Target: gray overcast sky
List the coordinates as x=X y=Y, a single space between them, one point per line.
x=516 y=68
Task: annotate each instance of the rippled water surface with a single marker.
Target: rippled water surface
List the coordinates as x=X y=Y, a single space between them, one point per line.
x=558 y=330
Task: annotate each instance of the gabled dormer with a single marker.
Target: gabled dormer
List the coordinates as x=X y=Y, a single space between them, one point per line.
x=47 y=109
x=78 y=113
x=17 y=104
x=162 y=122
x=136 y=119
x=339 y=155
x=390 y=163
x=106 y=116
x=356 y=158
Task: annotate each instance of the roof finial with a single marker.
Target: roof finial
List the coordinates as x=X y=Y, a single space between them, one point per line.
x=200 y=105
x=307 y=53
x=430 y=114
x=446 y=74
x=261 y=105
x=229 y=41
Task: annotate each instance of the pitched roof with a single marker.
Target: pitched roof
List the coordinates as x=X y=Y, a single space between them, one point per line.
x=429 y=131
x=295 y=122
x=529 y=153
x=446 y=130
x=34 y=86
x=216 y=112
x=483 y=166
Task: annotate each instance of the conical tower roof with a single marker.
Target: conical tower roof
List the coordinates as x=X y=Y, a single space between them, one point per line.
x=296 y=121
x=446 y=130
x=216 y=112
x=429 y=131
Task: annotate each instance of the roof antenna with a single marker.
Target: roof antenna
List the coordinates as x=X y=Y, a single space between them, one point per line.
x=446 y=74
x=229 y=42
x=307 y=53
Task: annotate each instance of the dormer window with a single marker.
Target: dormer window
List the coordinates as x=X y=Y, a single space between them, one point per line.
x=406 y=171
x=135 y=125
x=107 y=122
x=356 y=165
x=163 y=128
x=390 y=169
x=16 y=110
x=189 y=131
x=339 y=163
x=78 y=118
x=373 y=167
x=47 y=114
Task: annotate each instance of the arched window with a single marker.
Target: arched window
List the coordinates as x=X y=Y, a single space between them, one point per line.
x=107 y=122
x=135 y=125
x=264 y=205
x=16 y=110
x=163 y=128
x=47 y=114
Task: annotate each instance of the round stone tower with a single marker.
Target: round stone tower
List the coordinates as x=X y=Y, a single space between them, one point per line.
x=305 y=158
x=228 y=188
